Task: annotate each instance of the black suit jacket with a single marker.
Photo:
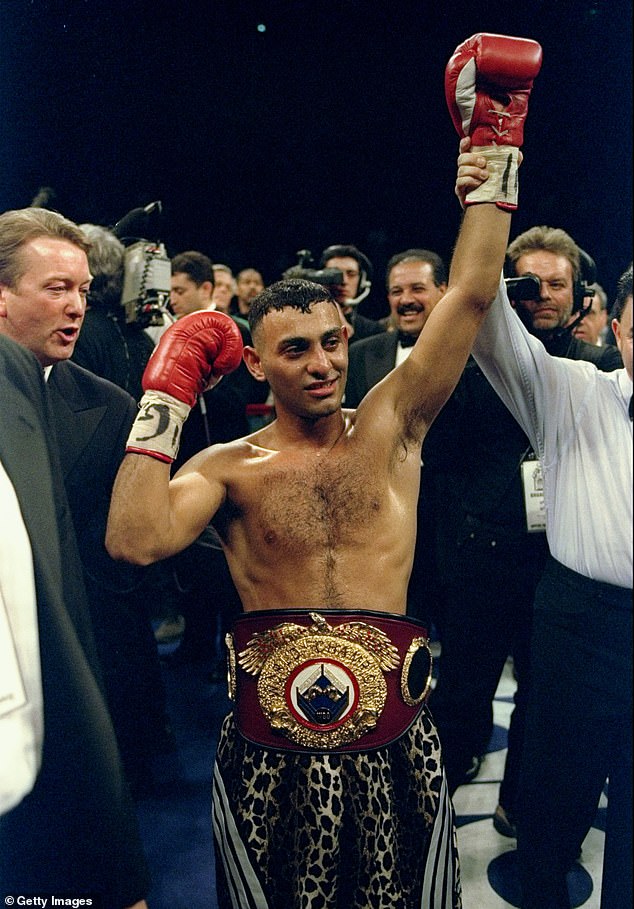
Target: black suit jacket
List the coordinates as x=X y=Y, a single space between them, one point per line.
x=363 y=327
x=92 y=419
x=370 y=360
x=76 y=830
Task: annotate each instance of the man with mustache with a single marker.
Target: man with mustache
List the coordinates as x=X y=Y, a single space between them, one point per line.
x=416 y=280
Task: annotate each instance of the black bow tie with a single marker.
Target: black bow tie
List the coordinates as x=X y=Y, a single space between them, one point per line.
x=405 y=339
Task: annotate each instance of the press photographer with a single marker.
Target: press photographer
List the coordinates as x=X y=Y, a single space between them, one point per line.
x=552 y=303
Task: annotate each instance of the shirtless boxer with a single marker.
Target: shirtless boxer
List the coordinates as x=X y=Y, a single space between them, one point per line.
x=328 y=787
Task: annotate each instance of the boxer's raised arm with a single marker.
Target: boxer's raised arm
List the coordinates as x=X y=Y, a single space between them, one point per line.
x=488 y=81
x=151 y=517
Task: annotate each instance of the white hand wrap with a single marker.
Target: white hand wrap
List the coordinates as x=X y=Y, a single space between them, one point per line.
x=502 y=184
x=157 y=428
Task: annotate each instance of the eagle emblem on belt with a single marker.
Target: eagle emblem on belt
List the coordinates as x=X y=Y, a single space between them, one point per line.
x=321 y=685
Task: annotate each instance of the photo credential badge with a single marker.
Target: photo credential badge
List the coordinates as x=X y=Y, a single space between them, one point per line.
x=533 y=486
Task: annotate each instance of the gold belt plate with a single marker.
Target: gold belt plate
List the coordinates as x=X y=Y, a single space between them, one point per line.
x=321 y=686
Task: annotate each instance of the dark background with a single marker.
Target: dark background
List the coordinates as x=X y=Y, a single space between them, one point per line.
x=328 y=127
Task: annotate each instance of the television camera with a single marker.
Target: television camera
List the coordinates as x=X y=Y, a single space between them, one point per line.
x=147 y=268
x=528 y=287
x=328 y=277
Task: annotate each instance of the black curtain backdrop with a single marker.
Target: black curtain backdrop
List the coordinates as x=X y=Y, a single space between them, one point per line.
x=266 y=127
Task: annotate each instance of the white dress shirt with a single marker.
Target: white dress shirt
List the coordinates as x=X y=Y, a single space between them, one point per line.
x=402 y=353
x=577 y=420
x=21 y=704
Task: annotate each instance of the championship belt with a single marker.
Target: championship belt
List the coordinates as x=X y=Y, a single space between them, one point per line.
x=328 y=681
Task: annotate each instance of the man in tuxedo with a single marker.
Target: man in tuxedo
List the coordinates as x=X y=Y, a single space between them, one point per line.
x=72 y=829
x=44 y=282
x=416 y=280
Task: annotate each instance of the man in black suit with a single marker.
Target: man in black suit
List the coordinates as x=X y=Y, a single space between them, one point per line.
x=44 y=281
x=75 y=831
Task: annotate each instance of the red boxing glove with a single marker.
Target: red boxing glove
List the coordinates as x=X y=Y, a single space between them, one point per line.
x=488 y=81
x=192 y=352
x=195 y=350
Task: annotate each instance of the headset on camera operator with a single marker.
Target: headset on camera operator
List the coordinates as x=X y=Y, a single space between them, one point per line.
x=357 y=270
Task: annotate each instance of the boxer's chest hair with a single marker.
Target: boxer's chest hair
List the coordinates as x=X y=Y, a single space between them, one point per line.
x=323 y=503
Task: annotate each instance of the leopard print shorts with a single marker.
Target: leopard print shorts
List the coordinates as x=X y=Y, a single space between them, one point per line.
x=368 y=830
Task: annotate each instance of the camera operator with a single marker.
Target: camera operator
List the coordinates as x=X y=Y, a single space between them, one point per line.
x=565 y=276
x=356 y=270
x=108 y=344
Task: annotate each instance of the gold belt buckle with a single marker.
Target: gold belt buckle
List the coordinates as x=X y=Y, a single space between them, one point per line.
x=319 y=685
